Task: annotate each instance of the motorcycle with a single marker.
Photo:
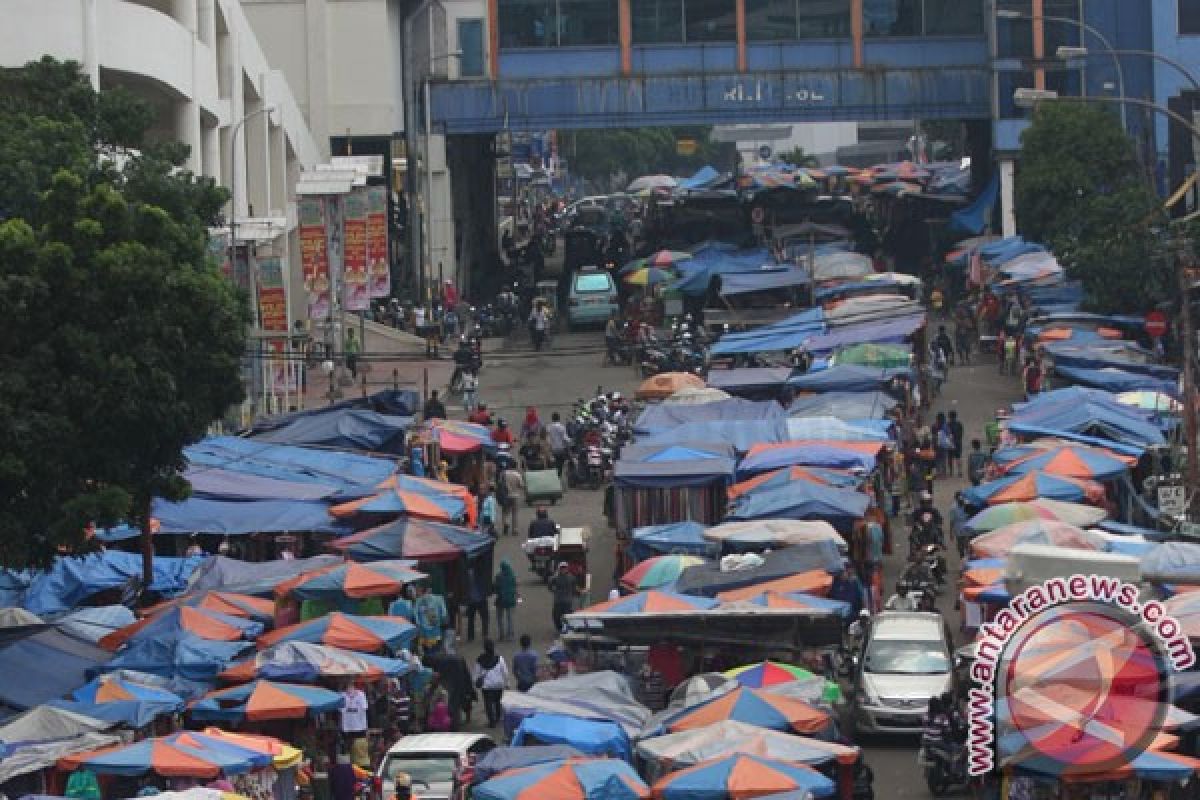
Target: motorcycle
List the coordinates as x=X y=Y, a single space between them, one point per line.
x=945 y=766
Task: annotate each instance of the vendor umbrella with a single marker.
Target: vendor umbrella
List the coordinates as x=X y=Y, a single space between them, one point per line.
x=427 y=505
x=438 y=491
x=1016 y=488
x=754 y=707
x=457 y=437
x=573 y=779
x=1072 y=461
x=211 y=625
x=686 y=748
x=414 y=540
x=738 y=776
x=304 y=662
x=265 y=700
x=231 y=604
x=1000 y=542
x=1003 y=514
x=768 y=673
x=798 y=601
x=815 y=581
x=351 y=580
x=181 y=755
x=648 y=276
x=651 y=602
x=785 y=475
x=114 y=698
x=667 y=384
x=347 y=631
x=696 y=397
x=658 y=571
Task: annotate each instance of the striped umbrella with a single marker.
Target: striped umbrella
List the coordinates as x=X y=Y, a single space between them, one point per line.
x=648 y=276
x=754 y=707
x=304 y=662
x=181 y=755
x=351 y=580
x=364 y=634
x=768 y=673
x=1000 y=542
x=265 y=700
x=211 y=625
x=737 y=776
x=650 y=602
x=572 y=779
x=799 y=601
x=1072 y=461
x=229 y=603
x=658 y=571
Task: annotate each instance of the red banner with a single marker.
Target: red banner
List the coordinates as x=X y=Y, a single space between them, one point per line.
x=355 y=291
x=314 y=255
x=272 y=297
x=377 y=242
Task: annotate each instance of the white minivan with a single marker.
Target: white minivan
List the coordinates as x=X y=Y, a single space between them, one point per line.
x=906 y=660
x=438 y=764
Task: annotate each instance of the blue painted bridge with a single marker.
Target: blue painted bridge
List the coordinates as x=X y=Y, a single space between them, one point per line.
x=881 y=93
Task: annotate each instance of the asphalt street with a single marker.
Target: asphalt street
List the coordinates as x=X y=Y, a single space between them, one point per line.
x=514 y=377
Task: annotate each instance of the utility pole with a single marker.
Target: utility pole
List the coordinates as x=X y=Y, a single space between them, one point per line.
x=1183 y=258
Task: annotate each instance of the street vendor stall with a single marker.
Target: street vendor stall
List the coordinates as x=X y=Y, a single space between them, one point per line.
x=660 y=484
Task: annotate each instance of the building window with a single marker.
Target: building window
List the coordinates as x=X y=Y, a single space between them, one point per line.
x=770 y=20
x=657 y=21
x=470 y=44
x=892 y=17
x=710 y=20
x=953 y=17
x=527 y=23
x=587 y=22
x=1189 y=16
x=823 y=19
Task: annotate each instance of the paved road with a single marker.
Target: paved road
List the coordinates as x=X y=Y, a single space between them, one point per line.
x=571 y=369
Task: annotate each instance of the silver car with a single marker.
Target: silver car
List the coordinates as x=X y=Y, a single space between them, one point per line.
x=905 y=661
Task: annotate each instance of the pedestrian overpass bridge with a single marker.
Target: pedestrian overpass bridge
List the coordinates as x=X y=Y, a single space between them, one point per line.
x=617 y=63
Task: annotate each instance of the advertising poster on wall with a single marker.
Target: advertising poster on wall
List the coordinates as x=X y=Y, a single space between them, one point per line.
x=314 y=255
x=272 y=297
x=378 y=264
x=355 y=289
x=284 y=371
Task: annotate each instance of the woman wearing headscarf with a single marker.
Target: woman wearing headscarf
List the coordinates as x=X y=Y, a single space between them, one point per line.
x=532 y=425
x=506 y=600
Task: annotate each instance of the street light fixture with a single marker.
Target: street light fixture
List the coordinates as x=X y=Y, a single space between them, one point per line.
x=1028 y=98
x=1067 y=53
x=1011 y=13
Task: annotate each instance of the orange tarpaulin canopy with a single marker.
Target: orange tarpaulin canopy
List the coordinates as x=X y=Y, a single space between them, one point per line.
x=815 y=581
x=793 y=473
x=667 y=384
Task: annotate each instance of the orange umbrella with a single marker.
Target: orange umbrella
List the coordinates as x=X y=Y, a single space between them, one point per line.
x=1026 y=488
x=816 y=581
x=754 y=707
x=667 y=384
x=793 y=474
x=1000 y=542
x=229 y=603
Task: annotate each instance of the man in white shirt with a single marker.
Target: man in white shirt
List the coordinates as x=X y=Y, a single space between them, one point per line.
x=560 y=442
x=538 y=322
x=354 y=712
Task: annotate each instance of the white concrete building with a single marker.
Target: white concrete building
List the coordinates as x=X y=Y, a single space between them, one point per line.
x=199 y=63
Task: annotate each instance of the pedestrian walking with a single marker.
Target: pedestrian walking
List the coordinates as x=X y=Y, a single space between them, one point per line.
x=510 y=488
x=976 y=462
x=491 y=678
x=560 y=442
x=478 y=590
x=539 y=323
x=505 y=585
x=352 y=347
x=955 y=427
x=489 y=511
x=525 y=665
x=564 y=586
x=470 y=389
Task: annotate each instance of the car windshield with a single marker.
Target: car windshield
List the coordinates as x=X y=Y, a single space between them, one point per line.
x=898 y=657
x=430 y=770
x=592 y=283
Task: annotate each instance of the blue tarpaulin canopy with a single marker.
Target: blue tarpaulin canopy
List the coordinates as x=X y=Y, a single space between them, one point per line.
x=974 y=218
x=46 y=665
x=709 y=262
x=72 y=580
x=741 y=434
x=763 y=280
x=1112 y=379
x=201 y=515
x=703 y=177
x=748 y=379
x=671 y=465
x=1172 y=562
x=846 y=378
x=685 y=538
x=885 y=331
x=834 y=429
x=803 y=500
x=181 y=655
x=707 y=580
x=662 y=416
x=254 y=577
x=592 y=736
x=285 y=462
x=343 y=428
x=215 y=483
x=844 y=405
x=783 y=335
x=1004 y=250
x=812 y=454
x=1084 y=411
x=502 y=759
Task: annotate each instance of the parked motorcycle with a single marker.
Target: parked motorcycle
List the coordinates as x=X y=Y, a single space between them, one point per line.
x=944 y=765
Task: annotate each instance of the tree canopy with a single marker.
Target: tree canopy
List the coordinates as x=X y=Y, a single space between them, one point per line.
x=122 y=340
x=1081 y=191
x=598 y=155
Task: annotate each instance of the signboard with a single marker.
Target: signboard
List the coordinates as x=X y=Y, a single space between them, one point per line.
x=379 y=272
x=218 y=250
x=1172 y=500
x=272 y=296
x=356 y=294
x=314 y=255
x=1156 y=323
x=335 y=237
x=284 y=372
x=686 y=147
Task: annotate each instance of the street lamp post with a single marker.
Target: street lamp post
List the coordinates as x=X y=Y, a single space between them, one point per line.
x=1066 y=53
x=1029 y=98
x=233 y=137
x=1008 y=13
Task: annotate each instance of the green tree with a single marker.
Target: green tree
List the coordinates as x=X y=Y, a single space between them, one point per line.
x=601 y=155
x=1081 y=191
x=798 y=158
x=122 y=340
